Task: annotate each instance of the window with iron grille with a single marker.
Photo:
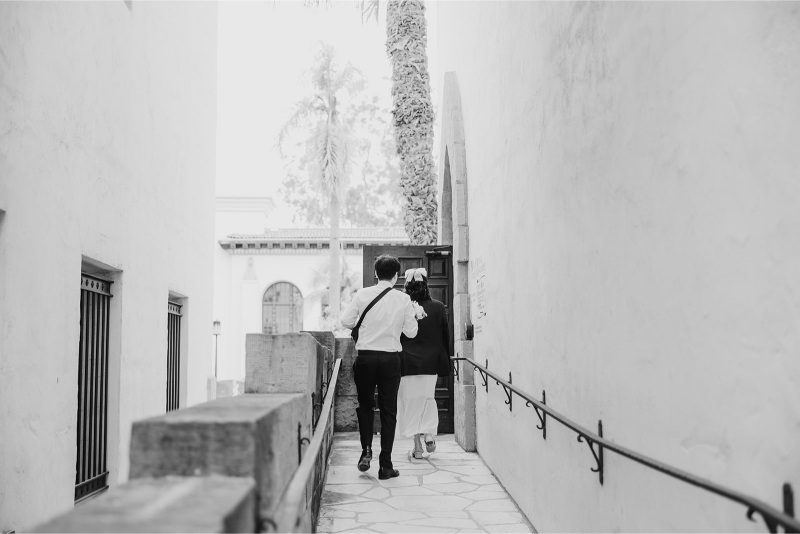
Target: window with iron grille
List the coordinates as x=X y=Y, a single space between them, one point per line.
x=173 y=356
x=91 y=474
x=282 y=309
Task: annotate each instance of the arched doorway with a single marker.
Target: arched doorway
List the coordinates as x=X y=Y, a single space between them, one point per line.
x=454 y=230
x=282 y=311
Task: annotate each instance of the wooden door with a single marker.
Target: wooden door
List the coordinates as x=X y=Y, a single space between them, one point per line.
x=438 y=261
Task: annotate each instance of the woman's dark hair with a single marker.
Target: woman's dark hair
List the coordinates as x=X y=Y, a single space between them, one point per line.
x=386 y=267
x=418 y=290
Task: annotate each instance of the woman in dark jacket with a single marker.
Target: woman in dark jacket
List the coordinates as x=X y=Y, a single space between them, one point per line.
x=423 y=356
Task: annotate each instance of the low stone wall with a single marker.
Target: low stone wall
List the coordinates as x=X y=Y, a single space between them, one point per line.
x=223 y=466
x=246 y=436
x=168 y=504
x=288 y=363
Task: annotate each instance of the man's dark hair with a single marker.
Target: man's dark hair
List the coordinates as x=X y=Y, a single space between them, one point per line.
x=386 y=267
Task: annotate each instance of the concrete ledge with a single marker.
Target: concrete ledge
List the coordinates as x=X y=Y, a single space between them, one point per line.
x=171 y=504
x=287 y=363
x=246 y=436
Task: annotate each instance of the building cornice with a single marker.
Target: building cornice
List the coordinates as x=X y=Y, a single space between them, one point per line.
x=312 y=240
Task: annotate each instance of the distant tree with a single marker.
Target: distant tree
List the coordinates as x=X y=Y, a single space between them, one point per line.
x=372 y=197
x=350 y=281
x=406 y=44
x=328 y=142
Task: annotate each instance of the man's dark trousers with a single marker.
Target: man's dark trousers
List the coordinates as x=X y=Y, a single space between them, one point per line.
x=375 y=368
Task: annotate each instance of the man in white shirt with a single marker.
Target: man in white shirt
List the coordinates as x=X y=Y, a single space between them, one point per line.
x=378 y=360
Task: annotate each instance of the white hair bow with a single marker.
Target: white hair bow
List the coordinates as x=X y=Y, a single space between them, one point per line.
x=417 y=274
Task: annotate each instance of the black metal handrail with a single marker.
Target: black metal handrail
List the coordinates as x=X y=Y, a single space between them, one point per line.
x=293 y=504
x=597 y=443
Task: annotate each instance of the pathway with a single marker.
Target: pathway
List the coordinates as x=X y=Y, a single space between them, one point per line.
x=448 y=491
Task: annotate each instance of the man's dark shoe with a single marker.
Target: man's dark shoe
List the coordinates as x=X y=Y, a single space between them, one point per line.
x=386 y=473
x=366 y=458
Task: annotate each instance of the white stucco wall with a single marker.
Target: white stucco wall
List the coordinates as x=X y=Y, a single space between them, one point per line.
x=633 y=197
x=239 y=301
x=107 y=118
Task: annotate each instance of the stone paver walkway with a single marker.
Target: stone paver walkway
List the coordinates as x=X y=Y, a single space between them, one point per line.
x=448 y=491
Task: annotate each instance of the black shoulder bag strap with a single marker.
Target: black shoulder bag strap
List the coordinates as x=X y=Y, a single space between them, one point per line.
x=354 y=333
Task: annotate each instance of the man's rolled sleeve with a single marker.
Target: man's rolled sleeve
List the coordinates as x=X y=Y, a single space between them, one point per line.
x=350 y=314
x=410 y=326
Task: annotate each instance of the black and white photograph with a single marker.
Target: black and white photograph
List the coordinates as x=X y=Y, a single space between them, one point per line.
x=399 y=266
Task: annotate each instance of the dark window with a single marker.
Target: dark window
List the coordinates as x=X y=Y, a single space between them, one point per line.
x=91 y=474
x=283 y=309
x=173 y=356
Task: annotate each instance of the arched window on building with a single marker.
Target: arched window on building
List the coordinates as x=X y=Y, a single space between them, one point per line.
x=282 y=309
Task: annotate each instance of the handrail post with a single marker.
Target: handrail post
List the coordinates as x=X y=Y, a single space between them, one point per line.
x=600 y=464
x=544 y=417
x=788 y=504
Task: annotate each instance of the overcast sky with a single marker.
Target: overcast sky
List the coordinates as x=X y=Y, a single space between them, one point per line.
x=264 y=49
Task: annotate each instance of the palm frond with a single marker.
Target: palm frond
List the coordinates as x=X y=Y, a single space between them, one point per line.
x=369 y=8
x=315 y=296
x=349 y=78
x=304 y=110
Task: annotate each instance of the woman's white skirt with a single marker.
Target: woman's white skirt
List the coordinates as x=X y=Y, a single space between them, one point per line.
x=416 y=406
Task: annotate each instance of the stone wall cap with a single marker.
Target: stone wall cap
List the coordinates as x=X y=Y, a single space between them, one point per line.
x=242 y=408
x=166 y=504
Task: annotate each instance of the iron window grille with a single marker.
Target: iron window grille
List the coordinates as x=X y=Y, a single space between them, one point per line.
x=91 y=474
x=173 y=356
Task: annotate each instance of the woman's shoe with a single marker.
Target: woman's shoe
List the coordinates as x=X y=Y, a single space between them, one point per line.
x=417 y=452
x=430 y=444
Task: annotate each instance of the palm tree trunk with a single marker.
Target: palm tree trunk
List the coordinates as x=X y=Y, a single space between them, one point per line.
x=406 y=43
x=335 y=270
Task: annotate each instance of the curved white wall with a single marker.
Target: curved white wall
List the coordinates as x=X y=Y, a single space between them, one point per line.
x=635 y=200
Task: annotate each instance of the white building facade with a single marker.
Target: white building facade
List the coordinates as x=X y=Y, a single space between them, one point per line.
x=274 y=281
x=106 y=217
